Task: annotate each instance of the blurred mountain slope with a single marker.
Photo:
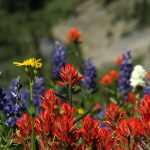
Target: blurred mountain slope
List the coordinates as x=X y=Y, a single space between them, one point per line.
x=108 y=31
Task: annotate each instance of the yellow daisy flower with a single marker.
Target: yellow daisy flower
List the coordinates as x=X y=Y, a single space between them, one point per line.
x=80 y=111
x=32 y=62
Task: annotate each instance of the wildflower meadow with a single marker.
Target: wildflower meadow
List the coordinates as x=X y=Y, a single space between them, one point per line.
x=80 y=109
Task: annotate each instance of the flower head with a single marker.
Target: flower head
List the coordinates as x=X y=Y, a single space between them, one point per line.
x=32 y=62
x=125 y=74
x=119 y=60
x=69 y=76
x=114 y=74
x=12 y=105
x=106 y=80
x=38 y=92
x=109 y=77
x=113 y=115
x=74 y=35
x=58 y=59
x=138 y=77
x=90 y=73
x=24 y=125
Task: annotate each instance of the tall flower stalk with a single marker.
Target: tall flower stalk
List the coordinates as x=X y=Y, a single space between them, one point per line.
x=126 y=68
x=31 y=67
x=58 y=59
x=90 y=76
x=70 y=78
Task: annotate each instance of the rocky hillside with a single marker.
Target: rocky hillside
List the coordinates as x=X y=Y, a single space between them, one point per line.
x=106 y=36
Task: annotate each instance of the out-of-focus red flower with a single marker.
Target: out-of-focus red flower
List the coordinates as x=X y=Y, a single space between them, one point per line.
x=119 y=60
x=110 y=77
x=50 y=101
x=148 y=76
x=130 y=132
x=131 y=98
x=74 y=36
x=24 y=131
x=69 y=76
x=97 y=106
x=106 y=80
x=113 y=115
x=114 y=74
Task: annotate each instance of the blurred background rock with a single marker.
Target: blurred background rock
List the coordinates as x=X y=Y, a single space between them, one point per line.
x=28 y=28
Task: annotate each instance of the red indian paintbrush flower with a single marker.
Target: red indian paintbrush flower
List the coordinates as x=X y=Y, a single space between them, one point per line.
x=109 y=77
x=65 y=131
x=74 y=35
x=105 y=138
x=24 y=131
x=69 y=76
x=144 y=111
x=51 y=101
x=130 y=133
x=114 y=74
x=68 y=110
x=113 y=115
x=119 y=60
x=44 y=125
x=106 y=80
x=89 y=131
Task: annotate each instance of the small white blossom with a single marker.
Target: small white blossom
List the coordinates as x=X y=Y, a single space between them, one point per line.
x=138 y=77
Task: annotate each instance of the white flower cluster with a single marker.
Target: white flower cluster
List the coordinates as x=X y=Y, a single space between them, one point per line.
x=138 y=77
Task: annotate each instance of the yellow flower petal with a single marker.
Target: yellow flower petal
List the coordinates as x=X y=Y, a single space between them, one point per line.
x=32 y=62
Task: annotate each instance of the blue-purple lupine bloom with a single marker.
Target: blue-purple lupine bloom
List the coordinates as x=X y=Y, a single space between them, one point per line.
x=3 y=100
x=125 y=74
x=38 y=92
x=100 y=114
x=147 y=89
x=12 y=107
x=58 y=59
x=90 y=74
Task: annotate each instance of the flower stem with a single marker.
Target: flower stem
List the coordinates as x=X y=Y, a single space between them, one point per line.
x=70 y=95
x=32 y=117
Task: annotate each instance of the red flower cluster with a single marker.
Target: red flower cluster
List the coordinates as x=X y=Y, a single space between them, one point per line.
x=24 y=125
x=109 y=77
x=94 y=136
x=130 y=132
x=113 y=115
x=56 y=127
x=74 y=36
x=69 y=76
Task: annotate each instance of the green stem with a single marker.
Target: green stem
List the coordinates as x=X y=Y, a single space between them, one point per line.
x=31 y=90
x=32 y=136
x=70 y=95
x=32 y=117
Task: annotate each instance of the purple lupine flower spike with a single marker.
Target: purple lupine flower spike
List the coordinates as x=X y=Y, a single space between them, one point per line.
x=126 y=68
x=58 y=59
x=11 y=105
x=90 y=74
x=147 y=89
x=38 y=92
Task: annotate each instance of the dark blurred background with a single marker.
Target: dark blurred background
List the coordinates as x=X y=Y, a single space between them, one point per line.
x=28 y=28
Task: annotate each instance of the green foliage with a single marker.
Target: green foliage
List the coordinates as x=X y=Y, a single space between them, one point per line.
x=23 y=24
x=75 y=56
